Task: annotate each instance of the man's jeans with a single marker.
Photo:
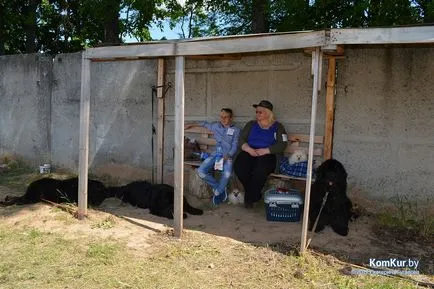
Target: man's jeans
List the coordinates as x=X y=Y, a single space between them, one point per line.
x=204 y=172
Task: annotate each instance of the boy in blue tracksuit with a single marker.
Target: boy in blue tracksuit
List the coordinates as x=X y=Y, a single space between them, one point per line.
x=226 y=136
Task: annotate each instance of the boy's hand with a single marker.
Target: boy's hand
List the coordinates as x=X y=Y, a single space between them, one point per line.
x=188 y=126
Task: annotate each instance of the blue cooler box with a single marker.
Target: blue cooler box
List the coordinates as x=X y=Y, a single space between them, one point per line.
x=283 y=205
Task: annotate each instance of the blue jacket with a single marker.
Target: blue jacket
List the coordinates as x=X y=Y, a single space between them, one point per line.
x=227 y=137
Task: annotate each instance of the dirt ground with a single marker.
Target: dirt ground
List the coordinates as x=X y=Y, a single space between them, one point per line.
x=138 y=227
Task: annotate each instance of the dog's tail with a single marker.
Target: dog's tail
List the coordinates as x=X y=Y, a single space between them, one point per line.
x=190 y=209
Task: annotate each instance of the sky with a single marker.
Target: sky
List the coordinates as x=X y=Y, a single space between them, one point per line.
x=157 y=34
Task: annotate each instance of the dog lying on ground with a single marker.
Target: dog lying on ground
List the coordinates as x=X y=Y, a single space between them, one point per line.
x=337 y=211
x=58 y=191
x=158 y=198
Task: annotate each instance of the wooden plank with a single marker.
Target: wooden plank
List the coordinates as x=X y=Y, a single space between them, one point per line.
x=265 y=42
x=328 y=50
x=330 y=109
x=286 y=177
x=130 y=51
x=160 y=120
x=206 y=141
x=305 y=138
x=198 y=129
x=220 y=45
x=215 y=57
x=395 y=35
x=316 y=63
x=316 y=152
x=255 y=43
x=179 y=146
x=193 y=163
x=83 y=161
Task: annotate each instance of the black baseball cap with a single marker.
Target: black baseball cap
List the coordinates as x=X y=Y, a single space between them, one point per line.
x=265 y=104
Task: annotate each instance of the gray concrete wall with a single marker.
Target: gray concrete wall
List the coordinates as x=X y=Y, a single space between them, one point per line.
x=25 y=92
x=120 y=120
x=383 y=127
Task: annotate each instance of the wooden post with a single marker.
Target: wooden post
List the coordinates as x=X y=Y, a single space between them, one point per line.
x=83 y=161
x=330 y=111
x=160 y=121
x=179 y=145
x=316 y=57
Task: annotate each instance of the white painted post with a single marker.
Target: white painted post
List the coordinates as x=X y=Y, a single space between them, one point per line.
x=179 y=146
x=316 y=57
x=83 y=161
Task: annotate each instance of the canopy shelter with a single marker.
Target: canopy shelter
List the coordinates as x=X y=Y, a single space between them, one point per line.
x=318 y=42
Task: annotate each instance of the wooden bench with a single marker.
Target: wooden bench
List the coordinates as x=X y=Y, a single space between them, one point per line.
x=205 y=139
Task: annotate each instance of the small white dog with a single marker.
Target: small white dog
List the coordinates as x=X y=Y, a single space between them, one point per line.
x=236 y=197
x=297 y=157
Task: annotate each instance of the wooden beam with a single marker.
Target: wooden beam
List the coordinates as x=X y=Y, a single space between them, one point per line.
x=316 y=70
x=160 y=120
x=83 y=161
x=179 y=145
x=218 y=45
x=266 y=42
x=395 y=35
x=215 y=57
x=330 y=109
x=305 y=138
x=328 y=50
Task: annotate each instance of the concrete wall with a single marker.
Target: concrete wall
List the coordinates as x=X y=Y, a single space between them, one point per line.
x=25 y=92
x=383 y=126
x=120 y=119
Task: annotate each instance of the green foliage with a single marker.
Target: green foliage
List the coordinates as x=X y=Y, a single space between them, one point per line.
x=59 y=26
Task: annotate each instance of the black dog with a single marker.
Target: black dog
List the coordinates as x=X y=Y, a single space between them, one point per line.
x=58 y=191
x=331 y=178
x=158 y=199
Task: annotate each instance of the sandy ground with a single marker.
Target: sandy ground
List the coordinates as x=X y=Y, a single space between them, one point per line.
x=137 y=227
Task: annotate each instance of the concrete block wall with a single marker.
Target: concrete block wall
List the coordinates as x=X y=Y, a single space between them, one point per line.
x=384 y=126
x=120 y=140
x=25 y=105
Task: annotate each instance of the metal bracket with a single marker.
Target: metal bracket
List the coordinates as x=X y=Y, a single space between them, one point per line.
x=165 y=87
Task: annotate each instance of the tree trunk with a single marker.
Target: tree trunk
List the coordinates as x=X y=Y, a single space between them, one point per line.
x=111 y=22
x=30 y=25
x=260 y=16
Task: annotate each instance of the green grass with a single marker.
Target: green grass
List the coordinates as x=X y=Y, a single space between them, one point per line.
x=31 y=258
x=18 y=178
x=105 y=224
x=408 y=220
